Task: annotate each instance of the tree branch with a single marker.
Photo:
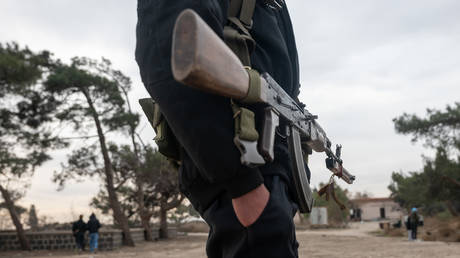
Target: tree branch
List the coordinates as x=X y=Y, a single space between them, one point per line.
x=79 y=137
x=453 y=181
x=121 y=183
x=176 y=202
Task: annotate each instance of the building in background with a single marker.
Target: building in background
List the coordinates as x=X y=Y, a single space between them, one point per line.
x=373 y=209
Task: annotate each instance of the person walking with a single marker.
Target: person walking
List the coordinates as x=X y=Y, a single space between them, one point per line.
x=78 y=230
x=250 y=210
x=414 y=220
x=93 y=228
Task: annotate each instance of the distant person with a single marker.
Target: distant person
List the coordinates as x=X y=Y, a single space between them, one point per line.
x=93 y=228
x=414 y=220
x=407 y=224
x=78 y=229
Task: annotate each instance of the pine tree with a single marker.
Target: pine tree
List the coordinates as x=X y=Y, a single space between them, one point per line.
x=440 y=179
x=98 y=104
x=25 y=112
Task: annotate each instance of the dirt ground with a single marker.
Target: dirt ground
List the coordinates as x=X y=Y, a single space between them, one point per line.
x=355 y=241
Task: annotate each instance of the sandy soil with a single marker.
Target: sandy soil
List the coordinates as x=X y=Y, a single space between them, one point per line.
x=353 y=242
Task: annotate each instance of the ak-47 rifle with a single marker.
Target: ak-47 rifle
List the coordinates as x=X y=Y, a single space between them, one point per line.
x=200 y=59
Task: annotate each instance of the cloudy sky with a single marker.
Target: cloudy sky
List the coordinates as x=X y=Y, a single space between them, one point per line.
x=363 y=62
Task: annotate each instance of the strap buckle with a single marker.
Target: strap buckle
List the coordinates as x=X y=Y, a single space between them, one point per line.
x=274 y=4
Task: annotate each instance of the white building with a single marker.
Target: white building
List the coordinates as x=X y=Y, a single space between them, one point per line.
x=375 y=209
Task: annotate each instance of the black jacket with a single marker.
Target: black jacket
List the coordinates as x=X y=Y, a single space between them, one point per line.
x=93 y=225
x=413 y=220
x=79 y=227
x=203 y=122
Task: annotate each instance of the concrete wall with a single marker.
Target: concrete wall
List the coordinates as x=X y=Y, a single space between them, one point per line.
x=138 y=234
x=53 y=240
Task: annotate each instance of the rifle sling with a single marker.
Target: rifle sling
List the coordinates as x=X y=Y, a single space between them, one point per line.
x=245 y=128
x=329 y=190
x=236 y=32
x=245 y=9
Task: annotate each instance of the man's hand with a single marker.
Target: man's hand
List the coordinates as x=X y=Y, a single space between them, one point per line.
x=249 y=207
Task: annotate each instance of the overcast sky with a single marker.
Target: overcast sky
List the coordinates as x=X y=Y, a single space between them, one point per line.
x=363 y=62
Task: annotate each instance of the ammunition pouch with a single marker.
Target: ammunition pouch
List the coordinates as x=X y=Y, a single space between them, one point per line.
x=165 y=139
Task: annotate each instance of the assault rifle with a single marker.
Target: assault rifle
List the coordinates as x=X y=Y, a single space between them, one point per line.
x=200 y=59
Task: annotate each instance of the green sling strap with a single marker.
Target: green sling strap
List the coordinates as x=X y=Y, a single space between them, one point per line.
x=240 y=41
x=245 y=127
x=236 y=33
x=245 y=9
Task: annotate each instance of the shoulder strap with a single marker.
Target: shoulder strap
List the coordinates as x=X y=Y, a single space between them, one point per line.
x=236 y=33
x=245 y=9
x=240 y=41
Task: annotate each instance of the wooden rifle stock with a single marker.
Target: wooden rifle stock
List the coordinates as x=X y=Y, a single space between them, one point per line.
x=202 y=60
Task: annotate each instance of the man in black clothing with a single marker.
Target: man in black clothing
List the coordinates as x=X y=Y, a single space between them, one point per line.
x=78 y=229
x=250 y=210
x=414 y=220
x=93 y=228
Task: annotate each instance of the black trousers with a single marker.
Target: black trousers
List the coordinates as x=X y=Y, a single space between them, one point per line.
x=80 y=240
x=272 y=235
x=414 y=232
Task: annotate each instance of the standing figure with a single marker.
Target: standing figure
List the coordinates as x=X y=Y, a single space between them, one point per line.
x=249 y=210
x=414 y=220
x=407 y=224
x=78 y=230
x=93 y=228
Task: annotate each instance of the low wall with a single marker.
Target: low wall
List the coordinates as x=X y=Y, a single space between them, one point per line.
x=137 y=235
x=54 y=240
